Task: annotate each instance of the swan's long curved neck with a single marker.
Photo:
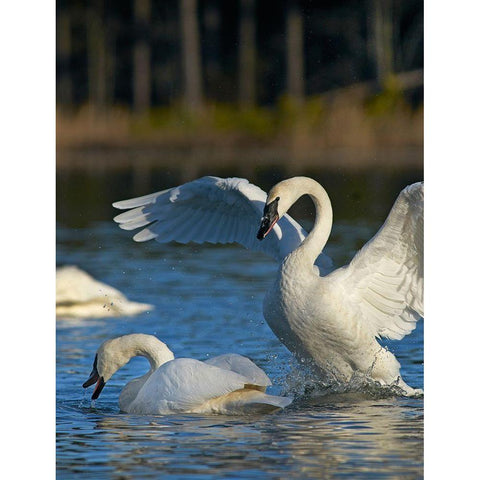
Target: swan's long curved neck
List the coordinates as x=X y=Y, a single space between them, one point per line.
x=156 y=356
x=315 y=241
x=139 y=345
x=122 y=349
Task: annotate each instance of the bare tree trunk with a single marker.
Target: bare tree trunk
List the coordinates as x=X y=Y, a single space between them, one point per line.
x=191 y=56
x=100 y=86
x=381 y=38
x=64 y=52
x=295 y=55
x=141 y=58
x=211 y=47
x=246 y=62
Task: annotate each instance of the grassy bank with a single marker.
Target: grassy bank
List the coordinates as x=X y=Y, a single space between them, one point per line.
x=345 y=126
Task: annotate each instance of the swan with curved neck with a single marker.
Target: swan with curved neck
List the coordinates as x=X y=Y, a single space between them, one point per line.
x=228 y=384
x=332 y=318
x=315 y=312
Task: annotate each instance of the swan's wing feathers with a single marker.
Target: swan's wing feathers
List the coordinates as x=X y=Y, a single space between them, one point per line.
x=139 y=201
x=243 y=366
x=209 y=209
x=385 y=278
x=184 y=384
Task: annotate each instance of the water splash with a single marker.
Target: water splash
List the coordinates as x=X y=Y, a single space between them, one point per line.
x=86 y=401
x=304 y=381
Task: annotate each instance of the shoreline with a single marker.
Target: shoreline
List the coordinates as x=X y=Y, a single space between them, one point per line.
x=193 y=159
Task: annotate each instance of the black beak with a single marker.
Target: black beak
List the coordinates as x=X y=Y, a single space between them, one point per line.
x=95 y=377
x=269 y=219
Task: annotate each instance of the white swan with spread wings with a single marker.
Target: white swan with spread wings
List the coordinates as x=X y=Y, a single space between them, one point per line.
x=332 y=318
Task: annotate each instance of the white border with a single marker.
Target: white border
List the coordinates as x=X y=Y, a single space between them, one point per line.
x=27 y=42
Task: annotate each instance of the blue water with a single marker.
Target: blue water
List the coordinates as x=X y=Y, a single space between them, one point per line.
x=208 y=301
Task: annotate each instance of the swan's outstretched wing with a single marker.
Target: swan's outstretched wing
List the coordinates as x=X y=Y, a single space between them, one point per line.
x=243 y=366
x=384 y=280
x=214 y=210
x=184 y=384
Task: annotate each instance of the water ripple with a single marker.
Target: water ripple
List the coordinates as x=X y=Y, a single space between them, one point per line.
x=365 y=433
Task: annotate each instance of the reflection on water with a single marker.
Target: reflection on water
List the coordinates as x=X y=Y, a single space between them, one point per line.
x=314 y=440
x=208 y=301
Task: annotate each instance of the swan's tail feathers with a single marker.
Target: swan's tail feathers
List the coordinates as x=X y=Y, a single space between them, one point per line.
x=267 y=404
x=248 y=401
x=407 y=389
x=278 y=402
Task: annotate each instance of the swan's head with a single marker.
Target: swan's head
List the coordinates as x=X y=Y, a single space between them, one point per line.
x=113 y=354
x=280 y=198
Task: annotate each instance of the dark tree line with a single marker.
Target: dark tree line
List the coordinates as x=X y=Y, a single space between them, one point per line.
x=145 y=53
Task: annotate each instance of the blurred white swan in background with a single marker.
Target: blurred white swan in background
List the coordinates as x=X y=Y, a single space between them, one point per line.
x=228 y=384
x=78 y=294
x=332 y=318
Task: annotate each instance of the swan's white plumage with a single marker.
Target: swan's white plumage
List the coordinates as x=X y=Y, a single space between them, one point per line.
x=214 y=210
x=384 y=280
x=185 y=385
x=243 y=366
x=333 y=319
x=228 y=384
x=78 y=294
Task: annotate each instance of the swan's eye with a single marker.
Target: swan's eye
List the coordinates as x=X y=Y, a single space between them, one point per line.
x=277 y=199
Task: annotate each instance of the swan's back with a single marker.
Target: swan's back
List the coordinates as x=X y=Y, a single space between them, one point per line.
x=188 y=385
x=234 y=362
x=78 y=294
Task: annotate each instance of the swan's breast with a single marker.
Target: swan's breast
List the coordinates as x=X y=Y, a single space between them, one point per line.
x=287 y=305
x=312 y=320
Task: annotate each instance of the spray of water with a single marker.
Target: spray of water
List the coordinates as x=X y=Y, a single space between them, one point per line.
x=305 y=380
